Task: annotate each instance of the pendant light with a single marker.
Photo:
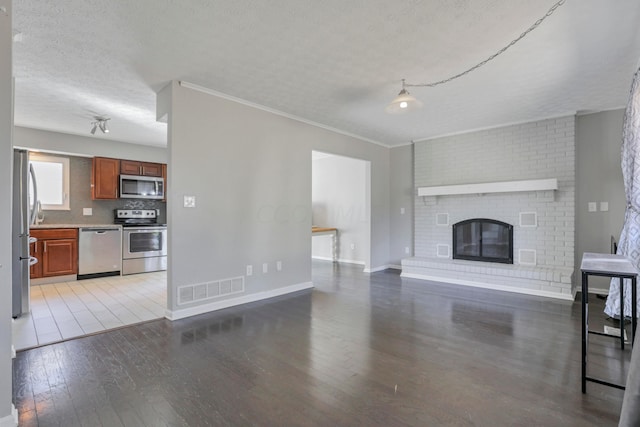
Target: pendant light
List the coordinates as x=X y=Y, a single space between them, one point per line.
x=403 y=102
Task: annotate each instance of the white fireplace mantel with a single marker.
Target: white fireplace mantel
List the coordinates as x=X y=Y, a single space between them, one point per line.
x=490 y=187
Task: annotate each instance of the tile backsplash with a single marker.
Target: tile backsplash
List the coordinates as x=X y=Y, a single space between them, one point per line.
x=80 y=197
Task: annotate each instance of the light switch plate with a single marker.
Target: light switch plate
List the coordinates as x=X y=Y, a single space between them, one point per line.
x=189 y=201
x=401 y=211
x=593 y=207
x=604 y=206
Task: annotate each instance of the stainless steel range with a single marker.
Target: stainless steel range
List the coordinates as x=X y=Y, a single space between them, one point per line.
x=144 y=241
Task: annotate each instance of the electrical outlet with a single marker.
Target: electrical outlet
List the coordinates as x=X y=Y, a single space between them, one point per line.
x=604 y=206
x=407 y=250
x=592 y=206
x=279 y=265
x=87 y=211
x=249 y=270
x=401 y=211
x=265 y=267
x=353 y=246
x=189 y=201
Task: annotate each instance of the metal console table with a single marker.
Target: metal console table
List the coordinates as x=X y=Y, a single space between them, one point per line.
x=615 y=266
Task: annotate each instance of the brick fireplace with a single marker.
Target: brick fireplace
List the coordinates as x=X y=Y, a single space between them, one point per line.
x=503 y=171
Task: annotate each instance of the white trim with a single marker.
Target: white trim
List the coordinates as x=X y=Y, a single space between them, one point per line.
x=10 y=420
x=13 y=350
x=484 y=285
x=219 y=305
x=376 y=269
x=277 y=112
x=490 y=187
x=395 y=266
x=598 y=291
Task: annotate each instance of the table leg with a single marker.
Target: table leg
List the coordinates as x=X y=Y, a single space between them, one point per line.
x=634 y=309
x=585 y=317
x=621 y=313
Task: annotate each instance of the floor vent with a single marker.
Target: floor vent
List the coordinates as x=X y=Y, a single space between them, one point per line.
x=204 y=291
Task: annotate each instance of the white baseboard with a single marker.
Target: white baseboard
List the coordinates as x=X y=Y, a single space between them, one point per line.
x=10 y=420
x=346 y=261
x=376 y=269
x=484 y=285
x=395 y=266
x=598 y=291
x=244 y=299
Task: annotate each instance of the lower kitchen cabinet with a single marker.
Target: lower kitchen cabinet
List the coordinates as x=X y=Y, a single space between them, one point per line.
x=56 y=250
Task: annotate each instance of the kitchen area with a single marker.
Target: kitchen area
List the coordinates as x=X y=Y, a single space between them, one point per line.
x=98 y=260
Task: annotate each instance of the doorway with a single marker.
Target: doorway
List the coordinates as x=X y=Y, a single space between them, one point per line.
x=341 y=201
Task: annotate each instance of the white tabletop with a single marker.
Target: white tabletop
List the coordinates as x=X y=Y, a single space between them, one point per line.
x=618 y=265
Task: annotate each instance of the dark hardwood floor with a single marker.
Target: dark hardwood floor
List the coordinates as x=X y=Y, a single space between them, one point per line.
x=358 y=350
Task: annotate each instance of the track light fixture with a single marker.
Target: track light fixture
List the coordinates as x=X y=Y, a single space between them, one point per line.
x=100 y=123
x=405 y=102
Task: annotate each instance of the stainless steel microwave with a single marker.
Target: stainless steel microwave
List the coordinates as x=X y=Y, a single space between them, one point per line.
x=141 y=187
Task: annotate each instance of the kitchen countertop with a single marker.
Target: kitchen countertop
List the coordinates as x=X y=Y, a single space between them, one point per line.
x=49 y=226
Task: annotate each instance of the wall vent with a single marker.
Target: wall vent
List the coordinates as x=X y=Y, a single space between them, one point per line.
x=443 y=251
x=442 y=219
x=527 y=256
x=528 y=219
x=210 y=290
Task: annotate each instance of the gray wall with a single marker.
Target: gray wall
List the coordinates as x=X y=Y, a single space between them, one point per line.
x=599 y=179
x=80 y=197
x=401 y=198
x=339 y=199
x=250 y=171
x=6 y=166
x=63 y=143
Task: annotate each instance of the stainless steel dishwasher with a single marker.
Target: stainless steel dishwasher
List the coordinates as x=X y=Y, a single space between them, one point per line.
x=99 y=252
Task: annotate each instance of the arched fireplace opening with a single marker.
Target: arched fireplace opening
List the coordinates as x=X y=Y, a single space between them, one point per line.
x=481 y=239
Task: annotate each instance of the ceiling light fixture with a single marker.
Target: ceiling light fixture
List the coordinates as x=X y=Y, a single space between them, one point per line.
x=100 y=123
x=405 y=102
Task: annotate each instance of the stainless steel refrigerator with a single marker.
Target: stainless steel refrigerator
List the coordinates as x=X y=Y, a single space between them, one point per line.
x=22 y=217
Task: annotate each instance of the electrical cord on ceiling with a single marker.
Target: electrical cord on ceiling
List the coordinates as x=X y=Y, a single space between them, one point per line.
x=475 y=67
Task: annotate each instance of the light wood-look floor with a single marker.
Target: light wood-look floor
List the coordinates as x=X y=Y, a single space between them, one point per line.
x=358 y=350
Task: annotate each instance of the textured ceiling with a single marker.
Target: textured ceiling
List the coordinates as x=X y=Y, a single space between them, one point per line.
x=336 y=63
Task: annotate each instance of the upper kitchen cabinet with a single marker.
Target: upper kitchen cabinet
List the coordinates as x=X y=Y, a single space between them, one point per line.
x=104 y=178
x=131 y=167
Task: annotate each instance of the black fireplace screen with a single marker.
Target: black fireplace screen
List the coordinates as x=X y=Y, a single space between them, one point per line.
x=482 y=239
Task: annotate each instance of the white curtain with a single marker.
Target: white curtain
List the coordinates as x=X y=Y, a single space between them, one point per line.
x=629 y=244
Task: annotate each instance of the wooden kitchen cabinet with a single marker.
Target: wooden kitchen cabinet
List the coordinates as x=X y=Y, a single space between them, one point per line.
x=56 y=250
x=132 y=167
x=104 y=178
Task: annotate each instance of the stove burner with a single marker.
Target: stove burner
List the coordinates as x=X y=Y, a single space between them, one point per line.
x=136 y=217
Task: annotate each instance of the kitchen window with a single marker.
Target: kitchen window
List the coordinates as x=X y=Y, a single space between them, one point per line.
x=52 y=179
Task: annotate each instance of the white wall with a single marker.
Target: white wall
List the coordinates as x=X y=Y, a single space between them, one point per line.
x=339 y=199
x=250 y=171
x=598 y=179
x=6 y=166
x=86 y=145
